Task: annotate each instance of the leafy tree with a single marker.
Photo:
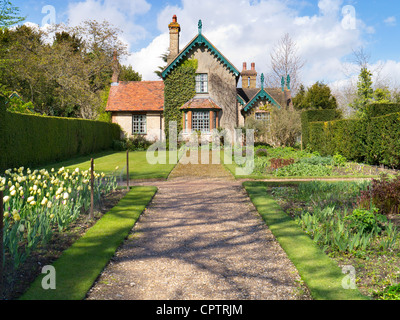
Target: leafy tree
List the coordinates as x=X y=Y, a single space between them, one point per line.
x=9 y=15
x=128 y=74
x=164 y=58
x=318 y=96
x=298 y=99
x=382 y=95
x=63 y=77
x=285 y=126
x=365 y=93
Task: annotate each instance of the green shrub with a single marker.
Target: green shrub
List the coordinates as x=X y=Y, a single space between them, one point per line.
x=366 y=220
x=304 y=169
x=119 y=145
x=32 y=140
x=390 y=293
x=262 y=153
x=381 y=109
x=137 y=143
x=313 y=116
x=2 y=130
x=318 y=160
x=373 y=141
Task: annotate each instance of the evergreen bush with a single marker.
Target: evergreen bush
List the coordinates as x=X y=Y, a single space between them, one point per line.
x=32 y=140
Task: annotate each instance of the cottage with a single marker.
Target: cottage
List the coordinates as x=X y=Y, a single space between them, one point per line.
x=218 y=103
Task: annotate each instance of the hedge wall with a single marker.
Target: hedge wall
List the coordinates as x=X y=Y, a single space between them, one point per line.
x=381 y=109
x=313 y=116
x=31 y=140
x=2 y=130
x=374 y=141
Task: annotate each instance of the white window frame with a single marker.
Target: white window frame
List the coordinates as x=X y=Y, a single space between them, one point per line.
x=264 y=117
x=139 y=124
x=202 y=83
x=201 y=121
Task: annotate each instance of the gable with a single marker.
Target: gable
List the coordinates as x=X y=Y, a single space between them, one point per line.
x=198 y=42
x=262 y=94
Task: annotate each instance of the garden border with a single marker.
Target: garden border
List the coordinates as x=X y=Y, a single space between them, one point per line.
x=80 y=265
x=322 y=275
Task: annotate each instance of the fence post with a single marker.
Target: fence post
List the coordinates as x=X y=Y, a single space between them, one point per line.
x=1 y=244
x=91 y=188
x=127 y=169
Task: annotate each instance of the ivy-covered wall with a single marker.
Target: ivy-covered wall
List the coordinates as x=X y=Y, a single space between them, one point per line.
x=180 y=87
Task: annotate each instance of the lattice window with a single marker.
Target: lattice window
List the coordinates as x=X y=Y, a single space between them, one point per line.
x=202 y=83
x=139 y=124
x=264 y=116
x=201 y=121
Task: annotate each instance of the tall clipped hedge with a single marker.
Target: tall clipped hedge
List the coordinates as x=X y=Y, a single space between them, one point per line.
x=373 y=141
x=2 y=130
x=179 y=88
x=381 y=109
x=316 y=115
x=31 y=140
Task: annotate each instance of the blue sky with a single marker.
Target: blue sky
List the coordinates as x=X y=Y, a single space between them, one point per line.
x=247 y=30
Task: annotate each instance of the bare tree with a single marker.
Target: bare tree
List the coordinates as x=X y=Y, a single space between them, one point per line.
x=285 y=61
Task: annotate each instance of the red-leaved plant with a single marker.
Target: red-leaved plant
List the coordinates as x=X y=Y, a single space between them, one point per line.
x=384 y=194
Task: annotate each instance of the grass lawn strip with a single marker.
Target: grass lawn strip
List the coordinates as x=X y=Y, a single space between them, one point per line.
x=80 y=265
x=107 y=161
x=322 y=275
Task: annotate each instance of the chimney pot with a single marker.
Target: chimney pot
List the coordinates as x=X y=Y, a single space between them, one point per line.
x=244 y=66
x=253 y=66
x=174 y=18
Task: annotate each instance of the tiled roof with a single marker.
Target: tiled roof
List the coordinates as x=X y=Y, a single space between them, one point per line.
x=136 y=96
x=200 y=103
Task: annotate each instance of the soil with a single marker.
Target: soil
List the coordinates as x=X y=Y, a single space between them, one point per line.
x=16 y=282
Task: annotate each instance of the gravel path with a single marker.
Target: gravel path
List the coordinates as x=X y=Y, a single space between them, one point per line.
x=201 y=238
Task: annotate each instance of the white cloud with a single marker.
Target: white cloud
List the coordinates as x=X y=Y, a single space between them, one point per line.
x=246 y=31
x=243 y=30
x=391 y=21
x=119 y=13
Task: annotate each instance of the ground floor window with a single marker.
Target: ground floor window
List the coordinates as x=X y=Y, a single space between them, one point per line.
x=201 y=121
x=139 y=124
x=264 y=117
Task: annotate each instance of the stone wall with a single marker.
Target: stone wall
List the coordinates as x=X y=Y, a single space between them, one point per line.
x=155 y=124
x=221 y=86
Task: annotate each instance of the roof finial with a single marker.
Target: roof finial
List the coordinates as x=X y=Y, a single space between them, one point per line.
x=262 y=81
x=200 y=26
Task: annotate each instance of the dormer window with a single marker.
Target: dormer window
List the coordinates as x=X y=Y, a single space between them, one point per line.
x=202 y=83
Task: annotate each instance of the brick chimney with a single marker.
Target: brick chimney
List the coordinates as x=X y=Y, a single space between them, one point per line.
x=116 y=70
x=174 y=30
x=249 y=77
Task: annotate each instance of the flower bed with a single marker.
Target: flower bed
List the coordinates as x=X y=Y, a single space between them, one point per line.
x=38 y=203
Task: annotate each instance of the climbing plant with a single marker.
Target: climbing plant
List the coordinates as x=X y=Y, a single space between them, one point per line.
x=180 y=87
